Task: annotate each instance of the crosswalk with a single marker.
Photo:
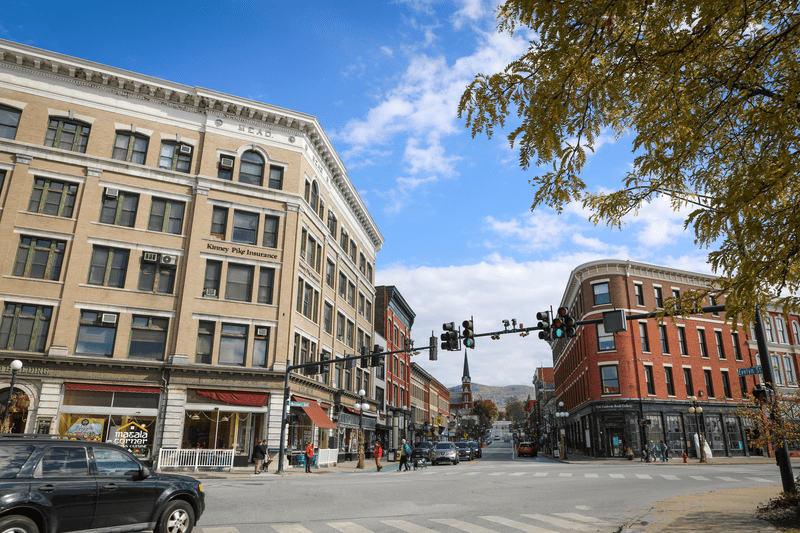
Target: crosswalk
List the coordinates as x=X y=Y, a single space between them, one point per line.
x=529 y=523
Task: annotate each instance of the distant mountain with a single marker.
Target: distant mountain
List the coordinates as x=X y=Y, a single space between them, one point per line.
x=498 y=395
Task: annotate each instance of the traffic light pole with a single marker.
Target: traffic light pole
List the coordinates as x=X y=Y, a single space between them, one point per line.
x=287 y=392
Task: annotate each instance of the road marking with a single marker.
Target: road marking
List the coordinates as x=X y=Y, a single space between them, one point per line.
x=581 y=518
x=617 y=476
x=761 y=480
x=473 y=473
x=700 y=478
x=729 y=479
x=289 y=528
x=497 y=474
x=516 y=525
x=348 y=527
x=644 y=476
x=428 y=473
x=670 y=477
x=582 y=507
x=463 y=526
x=518 y=474
x=558 y=522
x=408 y=526
x=590 y=475
x=540 y=474
x=565 y=474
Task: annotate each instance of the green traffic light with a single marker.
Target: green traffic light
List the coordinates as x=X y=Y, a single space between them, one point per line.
x=469 y=343
x=558 y=332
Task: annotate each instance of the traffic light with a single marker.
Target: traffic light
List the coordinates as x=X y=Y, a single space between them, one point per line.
x=544 y=325
x=377 y=357
x=433 y=349
x=450 y=337
x=563 y=324
x=468 y=333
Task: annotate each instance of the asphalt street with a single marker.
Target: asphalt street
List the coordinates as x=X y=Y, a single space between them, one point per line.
x=499 y=493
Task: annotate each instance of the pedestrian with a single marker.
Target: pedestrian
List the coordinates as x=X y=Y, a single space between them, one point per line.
x=259 y=452
x=403 y=456
x=653 y=450
x=377 y=453
x=664 y=451
x=309 y=456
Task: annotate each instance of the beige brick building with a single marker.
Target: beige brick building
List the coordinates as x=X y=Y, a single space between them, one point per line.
x=166 y=250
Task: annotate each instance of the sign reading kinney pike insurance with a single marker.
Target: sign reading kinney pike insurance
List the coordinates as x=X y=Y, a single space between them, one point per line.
x=236 y=250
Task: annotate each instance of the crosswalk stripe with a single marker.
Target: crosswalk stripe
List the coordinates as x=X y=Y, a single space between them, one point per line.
x=670 y=477
x=516 y=525
x=644 y=476
x=565 y=474
x=761 y=480
x=590 y=475
x=581 y=518
x=463 y=526
x=408 y=526
x=429 y=473
x=473 y=473
x=617 y=476
x=540 y=474
x=497 y=474
x=700 y=478
x=289 y=528
x=348 y=527
x=518 y=474
x=558 y=522
x=728 y=479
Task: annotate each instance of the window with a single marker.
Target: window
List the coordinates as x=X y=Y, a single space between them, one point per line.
x=219 y=222
x=239 y=285
x=605 y=341
x=780 y=330
x=39 y=258
x=788 y=366
x=682 y=341
x=342 y=285
x=327 y=318
x=351 y=294
x=108 y=267
x=601 y=294
x=67 y=134
x=96 y=334
x=639 y=292
x=65 y=461
x=768 y=328
x=726 y=384
x=709 y=383
x=266 y=284
x=245 y=226
x=155 y=277
x=232 y=344
x=369 y=272
x=361 y=304
x=368 y=311
x=332 y=223
x=275 y=178
x=687 y=378
x=175 y=156
x=344 y=239
x=251 y=170
x=648 y=378
x=737 y=350
x=9 y=122
x=205 y=342
x=212 y=278
x=743 y=384
x=308 y=305
x=662 y=333
x=340 y=326
x=148 y=338
x=312 y=195
x=714 y=304
x=225 y=167
x=720 y=347
x=120 y=210
x=776 y=369
x=270 y=239
x=24 y=328
x=659 y=297
x=796 y=331
x=130 y=147
x=353 y=251
x=51 y=197
x=701 y=333
x=643 y=336
x=330 y=273
x=261 y=347
x=362 y=263
x=610 y=378
x=166 y=216
x=2 y=178
x=113 y=463
x=669 y=381
x=349 y=334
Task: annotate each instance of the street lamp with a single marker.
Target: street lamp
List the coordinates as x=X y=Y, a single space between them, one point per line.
x=361 y=406
x=16 y=366
x=697 y=410
x=562 y=415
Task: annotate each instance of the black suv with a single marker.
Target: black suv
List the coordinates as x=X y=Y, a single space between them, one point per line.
x=422 y=451
x=51 y=484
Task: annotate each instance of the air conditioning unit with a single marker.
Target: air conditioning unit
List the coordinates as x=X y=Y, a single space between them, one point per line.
x=210 y=292
x=111 y=192
x=169 y=260
x=226 y=162
x=149 y=257
x=108 y=318
x=261 y=332
x=186 y=149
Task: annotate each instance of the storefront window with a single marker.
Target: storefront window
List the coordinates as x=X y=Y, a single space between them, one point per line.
x=222 y=430
x=135 y=433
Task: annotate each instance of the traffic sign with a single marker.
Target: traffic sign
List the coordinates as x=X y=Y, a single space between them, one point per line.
x=298 y=404
x=751 y=371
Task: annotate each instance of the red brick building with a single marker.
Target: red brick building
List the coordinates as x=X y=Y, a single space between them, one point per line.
x=611 y=382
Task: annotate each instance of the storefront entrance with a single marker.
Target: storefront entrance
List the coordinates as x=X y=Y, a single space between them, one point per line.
x=18 y=410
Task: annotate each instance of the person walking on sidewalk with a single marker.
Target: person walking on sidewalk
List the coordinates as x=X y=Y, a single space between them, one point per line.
x=377 y=452
x=653 y=450
x=259 y=452
x=664 y=451
x=404 y=455
x=309 y=456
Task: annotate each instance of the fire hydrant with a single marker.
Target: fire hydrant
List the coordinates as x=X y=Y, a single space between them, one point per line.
x=685 y=458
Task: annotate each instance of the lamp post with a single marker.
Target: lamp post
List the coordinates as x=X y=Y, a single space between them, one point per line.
x=562 y=415
x=361 y=406
x=16 y=366
x=697 y=410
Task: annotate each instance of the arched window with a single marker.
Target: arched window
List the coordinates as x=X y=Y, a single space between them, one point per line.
x=796 y=330
x=314 y=196
x=251 y=169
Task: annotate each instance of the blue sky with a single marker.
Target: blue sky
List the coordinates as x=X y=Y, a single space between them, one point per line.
x=384 y=79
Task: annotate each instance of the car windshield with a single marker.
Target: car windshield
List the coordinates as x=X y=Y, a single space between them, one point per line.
x=425 y=444
x=444 y=446
x=462 y=444
x=528 y=444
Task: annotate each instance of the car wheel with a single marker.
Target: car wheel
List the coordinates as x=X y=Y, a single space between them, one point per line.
x=177 y=517
x=17 y=524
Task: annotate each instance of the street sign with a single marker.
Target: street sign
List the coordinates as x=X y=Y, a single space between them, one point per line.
x=298 y=404
x=752 y=371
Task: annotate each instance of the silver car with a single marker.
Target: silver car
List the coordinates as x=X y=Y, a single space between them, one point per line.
x=444 y=452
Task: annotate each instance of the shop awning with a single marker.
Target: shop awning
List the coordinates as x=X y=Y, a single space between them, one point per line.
x=316 y=414
x=111 y=388
x=252 y=399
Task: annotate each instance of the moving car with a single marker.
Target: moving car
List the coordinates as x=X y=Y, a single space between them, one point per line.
x=477 y=449
x=465 y=451
x=527 y=448
x=422 y=450
x=444 y=452
x=52 y=484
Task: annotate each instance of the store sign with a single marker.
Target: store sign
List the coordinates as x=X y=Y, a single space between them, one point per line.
x=26 y=370
x=132 y=436
x=88 y=428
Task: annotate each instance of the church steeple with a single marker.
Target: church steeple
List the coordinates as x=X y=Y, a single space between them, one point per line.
x=466 y=386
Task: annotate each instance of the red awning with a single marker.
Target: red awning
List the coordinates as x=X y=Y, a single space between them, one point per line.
x=252 y=399
x=111 y=388
x=316 y=414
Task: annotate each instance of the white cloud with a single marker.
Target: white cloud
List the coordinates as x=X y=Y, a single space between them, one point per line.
x=388 y=51
x=471 y=11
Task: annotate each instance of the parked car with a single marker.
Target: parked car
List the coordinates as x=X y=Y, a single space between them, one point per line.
x=477 y=449
x=444 y=452
x=465 y=451
x=53 y=484
x=497 y=437
x=423 y=450
x=527 y=448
